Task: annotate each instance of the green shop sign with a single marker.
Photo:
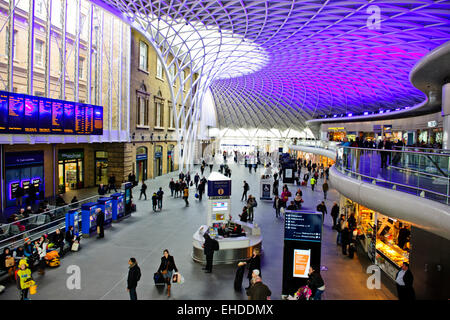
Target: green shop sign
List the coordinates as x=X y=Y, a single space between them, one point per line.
x=70 y=155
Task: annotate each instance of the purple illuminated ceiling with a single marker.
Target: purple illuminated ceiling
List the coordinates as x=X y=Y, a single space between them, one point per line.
x=324 y=57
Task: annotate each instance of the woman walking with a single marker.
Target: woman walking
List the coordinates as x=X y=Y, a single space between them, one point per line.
x=166 y=268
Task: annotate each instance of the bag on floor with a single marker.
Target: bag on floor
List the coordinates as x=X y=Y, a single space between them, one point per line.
x=238 y=278
x=75 y=246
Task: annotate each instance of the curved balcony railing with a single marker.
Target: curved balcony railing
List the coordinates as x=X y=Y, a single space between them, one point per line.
x=425 y=174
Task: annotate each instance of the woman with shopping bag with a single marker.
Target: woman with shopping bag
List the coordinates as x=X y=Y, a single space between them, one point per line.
x=166 y=269
x=25 y=282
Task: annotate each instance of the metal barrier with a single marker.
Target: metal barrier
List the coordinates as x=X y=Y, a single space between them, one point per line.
x=37 y=225
x=425 y=174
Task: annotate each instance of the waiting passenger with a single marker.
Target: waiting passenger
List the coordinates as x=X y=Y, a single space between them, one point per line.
x=244 y=214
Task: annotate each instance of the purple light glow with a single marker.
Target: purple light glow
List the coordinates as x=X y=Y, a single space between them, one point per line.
x=323 y=58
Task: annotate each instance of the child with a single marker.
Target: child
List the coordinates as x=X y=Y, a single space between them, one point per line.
x=24 y=279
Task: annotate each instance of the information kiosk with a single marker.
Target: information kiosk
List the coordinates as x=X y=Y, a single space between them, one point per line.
x=266 y=184
x=118 y=207
x=106 y=204
x=233 y=247
x=302 y=247
x=73 y=218
x=88 y=218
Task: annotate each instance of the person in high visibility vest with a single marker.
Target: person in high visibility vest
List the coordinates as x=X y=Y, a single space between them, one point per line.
x=313 y=183
x=24 y=279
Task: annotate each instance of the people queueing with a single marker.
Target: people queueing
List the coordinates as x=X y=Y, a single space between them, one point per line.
x=134 y=275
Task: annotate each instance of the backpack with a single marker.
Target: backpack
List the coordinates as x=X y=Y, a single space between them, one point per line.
x=255 y=204
x=138 y=276
x=215 y=245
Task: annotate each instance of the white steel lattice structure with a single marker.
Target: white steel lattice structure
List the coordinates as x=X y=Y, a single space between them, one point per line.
x=277 y=64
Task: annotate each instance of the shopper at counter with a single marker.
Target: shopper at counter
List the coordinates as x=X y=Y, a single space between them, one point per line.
x=404 y=281
x=209 y=247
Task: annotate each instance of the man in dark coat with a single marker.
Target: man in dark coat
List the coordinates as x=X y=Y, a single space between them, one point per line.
x=100 y=223
x=322 y=208
x=335 y=213
x=209 y=247
x=404 y=281
x=112 y=183
x=134 y=275
x=101 y=189
x=143 y=190
x=246 y=188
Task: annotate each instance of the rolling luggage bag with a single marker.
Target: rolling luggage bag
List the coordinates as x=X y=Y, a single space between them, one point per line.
x=238 y=278
x=159 y=279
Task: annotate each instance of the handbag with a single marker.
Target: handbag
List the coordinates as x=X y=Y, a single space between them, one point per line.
x=75 y=246
x=98 y=230
x=9 y=262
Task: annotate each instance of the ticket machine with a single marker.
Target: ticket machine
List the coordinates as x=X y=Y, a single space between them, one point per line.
x=106 y=204
x=73 y=218
x=118 y=206
x=88 y=218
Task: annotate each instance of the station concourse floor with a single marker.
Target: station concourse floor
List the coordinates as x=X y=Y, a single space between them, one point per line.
x=103 y=263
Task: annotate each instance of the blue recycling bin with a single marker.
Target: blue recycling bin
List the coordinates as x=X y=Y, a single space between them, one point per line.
x=88 y=218
x=73 y=218
x=105 y=203
x=118 y=207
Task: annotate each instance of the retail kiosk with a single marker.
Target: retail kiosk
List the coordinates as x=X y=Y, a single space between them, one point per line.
x=234 y=248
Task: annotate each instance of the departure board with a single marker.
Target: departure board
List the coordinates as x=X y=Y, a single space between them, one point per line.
x=80 y=118
x=303 y=226
x=45 y=116
x=15 y=113
x=4 y=111
x=31 y=115
x=20 y=113
x=69 y=117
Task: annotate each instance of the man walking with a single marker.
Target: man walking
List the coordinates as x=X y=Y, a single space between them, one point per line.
x=112 y=183
x=154 y=201
x=201 y=190
x=334 y=213
x=143 y=190
x=134 y=275
x=186 y=194
x=325 y=189
x=246 y=188
x=100 y=223
x=196 y=180
x=313 y=183
x=171 y=186
x=160 y=194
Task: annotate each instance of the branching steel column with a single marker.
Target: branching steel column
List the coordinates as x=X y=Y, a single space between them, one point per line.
x=10 y=44
x=110 y=83
x=76 y=76
x=48 y=45
x=30 y=47
x=89 y=55
x=62 y=88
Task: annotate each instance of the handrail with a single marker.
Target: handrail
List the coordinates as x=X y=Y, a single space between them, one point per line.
x=34 y=216
x=400 y=151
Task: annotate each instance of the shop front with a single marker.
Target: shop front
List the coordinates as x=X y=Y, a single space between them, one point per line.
x=71 y=169
x=23 y=169
x=170 y=155
x=386 y=240
x=336 y=134
x=101 y=167
x=141 y=163
x=158 y=161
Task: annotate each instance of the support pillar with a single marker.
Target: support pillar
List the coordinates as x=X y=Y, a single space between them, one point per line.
x=446 y=115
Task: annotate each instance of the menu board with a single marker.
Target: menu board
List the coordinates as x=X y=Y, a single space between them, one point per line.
x=57 y=116
x=15 y=113
x=20 y=113
x=45 y=116
x=69 y=117
x=4 y=111
x=31 y=115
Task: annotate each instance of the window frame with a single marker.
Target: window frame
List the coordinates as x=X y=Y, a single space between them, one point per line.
x=141 y=56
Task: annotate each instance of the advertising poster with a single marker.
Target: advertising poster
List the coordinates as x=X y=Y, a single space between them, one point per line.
x=57 y=116
x=302 y=260
x=4 y=111
x=45 y=116
x=15 y=114
x=31 y=115
x=266 y=190
x=69 y=118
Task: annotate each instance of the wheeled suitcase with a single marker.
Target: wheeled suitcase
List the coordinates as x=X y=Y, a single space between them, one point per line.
x=238 y=278
x=159 y=279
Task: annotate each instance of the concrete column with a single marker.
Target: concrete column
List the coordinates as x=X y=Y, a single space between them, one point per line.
x=446 y=115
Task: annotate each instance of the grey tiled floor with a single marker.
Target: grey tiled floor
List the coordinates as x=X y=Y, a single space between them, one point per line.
x=103 y=263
